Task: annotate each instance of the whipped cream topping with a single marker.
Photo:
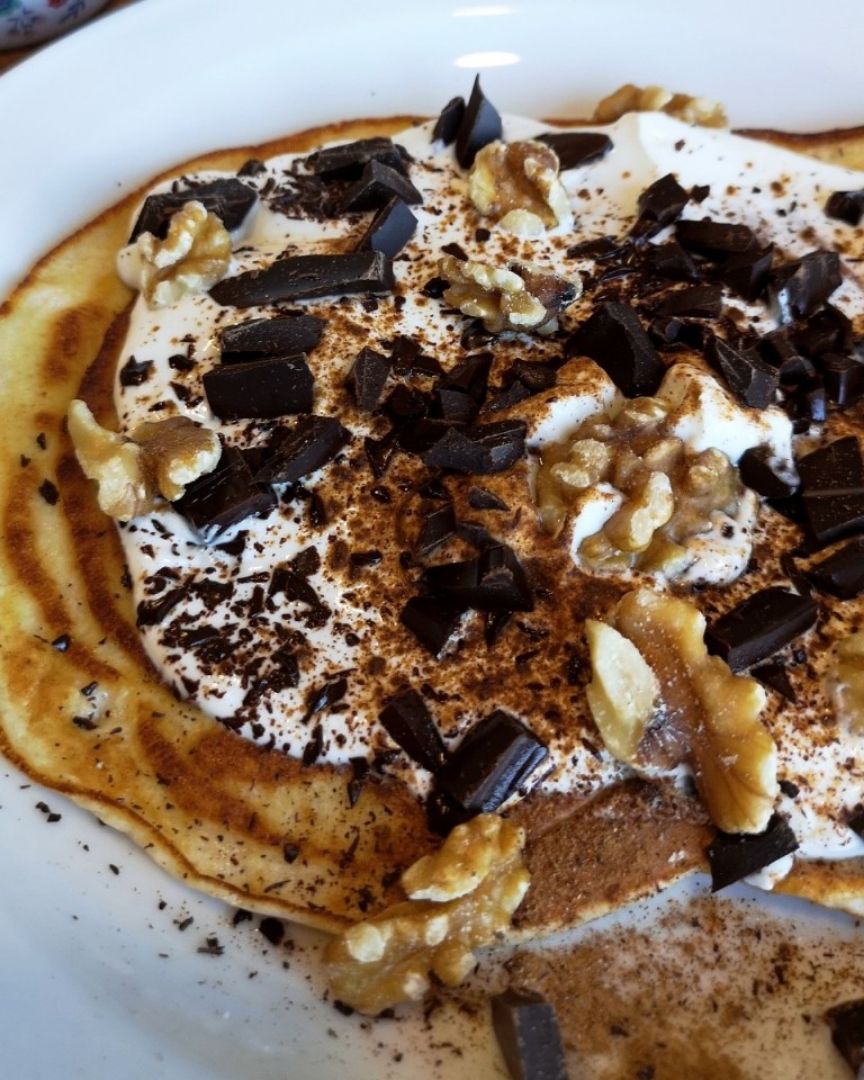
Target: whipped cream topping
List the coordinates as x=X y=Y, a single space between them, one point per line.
x=219 y=644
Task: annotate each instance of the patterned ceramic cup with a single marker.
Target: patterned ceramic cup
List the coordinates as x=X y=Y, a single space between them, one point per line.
x=24 y=22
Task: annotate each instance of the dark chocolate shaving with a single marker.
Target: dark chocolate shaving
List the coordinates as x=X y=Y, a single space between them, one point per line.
x=284 y=335
x=481 y=499
x=297 y=277
x=264 y=389
x=480 y=125
x=746 y=273
x=613 y=337
x=759 y=626
x=135 y=372
x=438 y=525
x=734 y=856
x=325 y=697
x=715 y=238
x=407 y=721
x=576 y=148
x=491 y=763
x=776 y=677
x=697 y=302
x=309 y=445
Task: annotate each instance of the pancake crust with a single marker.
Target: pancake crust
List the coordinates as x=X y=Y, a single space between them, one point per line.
x=254 y=828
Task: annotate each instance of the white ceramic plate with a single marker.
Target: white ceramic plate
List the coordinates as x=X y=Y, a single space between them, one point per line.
x=96 y=979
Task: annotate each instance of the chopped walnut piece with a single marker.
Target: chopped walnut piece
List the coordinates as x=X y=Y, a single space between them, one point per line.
x=847 y=681
x=622 y=691
x=517 y=184
x=161 y=459
x=194 y=255
x=630 y=98
x=480 y=878
x=678 y=513
x=705 y=715
x=520 y=297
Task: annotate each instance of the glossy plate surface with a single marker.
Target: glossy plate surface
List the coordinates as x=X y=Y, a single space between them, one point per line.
x=96 y=976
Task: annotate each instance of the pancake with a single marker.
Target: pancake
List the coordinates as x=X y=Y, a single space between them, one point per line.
x=83 y=711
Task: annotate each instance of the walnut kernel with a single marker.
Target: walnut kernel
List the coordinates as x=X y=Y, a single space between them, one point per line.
x=194 y=255
x=705 y=715
x=161 y=459
x=480 y=879
x=516 y=298
x=622 y=691
x=847 y=681
x=517 y=184
x=630 y=98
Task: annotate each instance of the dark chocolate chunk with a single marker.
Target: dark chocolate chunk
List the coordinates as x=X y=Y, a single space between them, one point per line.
x=670 y=260
x=665 y=331
x=153 y=612
x=264 y=389
x=480 y=125
x=310 y=444
x=846 y=206
x=359 y=775
x=312 y=749
x=715 y=238
x=491 y=763
x=799 y=289
x=284 y=335
x=252 y=167
x=347 y=162
x=432 y=620
x=757 y=472
x=700 y=192
x=613 y=337
x=297 y=277
x=575 y=148
x=842 y=572
x=230 y=200
x=407 y=721
x=379 y=452
x=855 y=820
x=443 y=814
x=697 y=302
x=847 y=1032
x=843 y=378
x=759 y=626
x=776 y=677
x=832 y=481
x=527 y=1031
x=658 y=206
x=827 y=330
x=486 y=448
x=390 y=229
x=439 y=524
x=367 y=377
x=449 y=121
x=405 y=404
x=455 y=405
x=223 y=497
x=789 y=789
x=733 y=856
x=494 y=581
x=377 y=185
x=746 y=272
x=522 y=380
x=471 y=376
x=481 y=499
x=747 y=375
x=272 y=929
x=135 y=372
x=324 y=697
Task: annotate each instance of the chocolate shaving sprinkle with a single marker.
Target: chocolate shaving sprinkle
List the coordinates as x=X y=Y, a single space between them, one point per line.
x=49 y=492
x=324 y=697
x=407 y=720
x=135 y=372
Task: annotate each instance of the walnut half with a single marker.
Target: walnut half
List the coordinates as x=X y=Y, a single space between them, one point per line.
x=517 y=184
x=686 y=107
x=461 y=898
x=161 y=459
x=194 y=255
x=704 y=714
x=846 y=681
x=518 y=297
